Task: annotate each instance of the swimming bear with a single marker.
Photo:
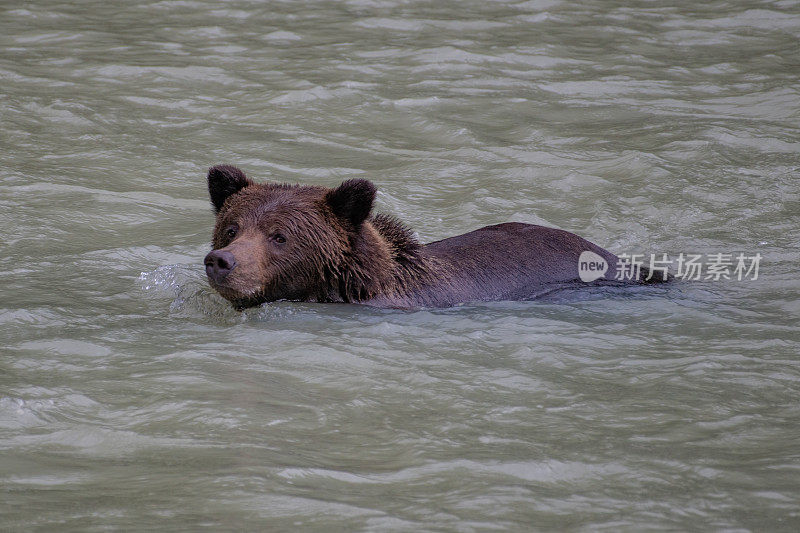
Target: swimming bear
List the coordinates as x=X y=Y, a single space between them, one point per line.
x=278 y=241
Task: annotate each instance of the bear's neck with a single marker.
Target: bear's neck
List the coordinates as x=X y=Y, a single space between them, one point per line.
x=387 y=263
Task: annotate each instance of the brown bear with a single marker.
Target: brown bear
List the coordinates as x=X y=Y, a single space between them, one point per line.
x=276 y=241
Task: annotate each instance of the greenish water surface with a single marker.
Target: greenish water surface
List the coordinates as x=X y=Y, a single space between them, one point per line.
x=132 y=397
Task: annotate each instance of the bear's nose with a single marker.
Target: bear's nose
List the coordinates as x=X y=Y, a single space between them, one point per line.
x=219 y=264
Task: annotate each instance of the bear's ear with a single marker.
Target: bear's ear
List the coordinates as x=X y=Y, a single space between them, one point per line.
x=223 y=181
x=352 y=200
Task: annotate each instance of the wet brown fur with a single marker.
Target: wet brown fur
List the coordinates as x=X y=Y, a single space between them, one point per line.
x=336 y=252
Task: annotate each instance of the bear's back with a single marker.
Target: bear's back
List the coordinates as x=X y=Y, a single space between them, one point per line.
x=510 y=261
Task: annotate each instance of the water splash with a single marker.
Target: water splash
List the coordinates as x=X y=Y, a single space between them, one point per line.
x=190 y=296
x=188 y=290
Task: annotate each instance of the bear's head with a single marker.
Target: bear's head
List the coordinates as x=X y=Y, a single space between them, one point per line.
x=277 y=241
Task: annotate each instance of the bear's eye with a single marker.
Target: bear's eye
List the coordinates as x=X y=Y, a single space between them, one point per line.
x=280 y=239
x=231 y=231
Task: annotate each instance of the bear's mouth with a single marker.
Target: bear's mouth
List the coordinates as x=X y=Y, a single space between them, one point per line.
x=243 y=293
x=239 y=299
x=240 y=304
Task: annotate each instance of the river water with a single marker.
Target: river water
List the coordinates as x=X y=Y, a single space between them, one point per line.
x=132 y=397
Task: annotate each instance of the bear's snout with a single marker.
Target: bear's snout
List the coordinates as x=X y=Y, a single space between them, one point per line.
x=219 y=264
